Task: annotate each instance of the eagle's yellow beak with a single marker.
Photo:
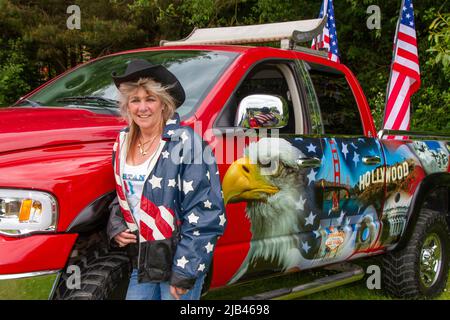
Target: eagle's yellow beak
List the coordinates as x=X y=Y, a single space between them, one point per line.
x=243 y=182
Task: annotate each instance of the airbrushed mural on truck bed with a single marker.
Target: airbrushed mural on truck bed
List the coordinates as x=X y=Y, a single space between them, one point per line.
x=347 y=207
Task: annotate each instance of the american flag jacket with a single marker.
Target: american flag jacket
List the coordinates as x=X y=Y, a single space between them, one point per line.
x=181 y=212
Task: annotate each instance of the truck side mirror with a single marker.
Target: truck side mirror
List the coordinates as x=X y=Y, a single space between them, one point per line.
x=262 y=111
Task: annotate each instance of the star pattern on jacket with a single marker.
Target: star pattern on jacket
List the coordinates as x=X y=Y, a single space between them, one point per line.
x=201 y=267
x=222 y=220
x=193 y=219
x=187 y=186
x=209 y=247
x=207 y=204
x=155 y=182
x=182 y=262
x=172 y=183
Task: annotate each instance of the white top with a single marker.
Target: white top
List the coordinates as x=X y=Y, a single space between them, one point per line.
x=134 y=179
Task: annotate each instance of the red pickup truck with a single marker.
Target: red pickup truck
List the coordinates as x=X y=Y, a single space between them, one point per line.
x=306 y=179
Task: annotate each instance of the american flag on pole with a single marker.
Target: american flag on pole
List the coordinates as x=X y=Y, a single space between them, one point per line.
x=328 y=38
x=405 y=72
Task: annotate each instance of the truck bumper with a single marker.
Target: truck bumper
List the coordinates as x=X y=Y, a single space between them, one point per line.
x=30 y=266
x=35 y=253
x=29 y=286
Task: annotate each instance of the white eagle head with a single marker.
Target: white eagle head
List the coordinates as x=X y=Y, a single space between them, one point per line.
x=270 y=181
x=268 y=178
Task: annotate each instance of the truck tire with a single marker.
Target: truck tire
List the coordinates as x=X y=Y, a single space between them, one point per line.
x=420 y=270
x=104 y=276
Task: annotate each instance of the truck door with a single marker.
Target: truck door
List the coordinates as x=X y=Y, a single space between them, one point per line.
x=271 y=187
x=352 y=175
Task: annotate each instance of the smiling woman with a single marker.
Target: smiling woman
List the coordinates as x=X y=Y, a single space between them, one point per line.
x=167 y=206
x=146 y=105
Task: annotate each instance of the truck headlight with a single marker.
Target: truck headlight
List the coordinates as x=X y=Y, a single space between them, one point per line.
x=27 y=211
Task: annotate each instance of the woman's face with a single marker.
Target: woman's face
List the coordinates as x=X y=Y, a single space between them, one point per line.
x=145 y=109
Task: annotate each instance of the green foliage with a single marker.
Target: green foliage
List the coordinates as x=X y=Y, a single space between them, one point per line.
x=109 y=26
x=431 y=104
x=369 y=54
x=377 y=108
x=200 y=12
x=14 y=72
x=432 y=110
x=439 y=38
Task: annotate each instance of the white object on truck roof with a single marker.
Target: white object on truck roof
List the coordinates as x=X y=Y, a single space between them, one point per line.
x=296 y=31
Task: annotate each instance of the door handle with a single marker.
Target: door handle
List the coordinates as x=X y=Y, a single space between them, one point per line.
x=309 y=162
x=372 y=160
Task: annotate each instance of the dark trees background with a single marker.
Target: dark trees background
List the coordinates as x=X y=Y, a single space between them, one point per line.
x=36 y=45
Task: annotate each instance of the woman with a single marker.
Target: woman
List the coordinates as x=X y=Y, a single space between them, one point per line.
x=169 y=209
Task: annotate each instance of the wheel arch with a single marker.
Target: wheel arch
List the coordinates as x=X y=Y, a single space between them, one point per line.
x=433 y=193
x=93 y=216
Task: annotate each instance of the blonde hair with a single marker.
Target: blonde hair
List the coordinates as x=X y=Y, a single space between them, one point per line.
x=151 y=87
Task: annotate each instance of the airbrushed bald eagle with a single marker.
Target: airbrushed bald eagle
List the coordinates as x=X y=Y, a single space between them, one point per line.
x=269 y=179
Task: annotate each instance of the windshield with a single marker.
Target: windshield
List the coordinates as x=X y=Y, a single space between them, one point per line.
x=91 y=86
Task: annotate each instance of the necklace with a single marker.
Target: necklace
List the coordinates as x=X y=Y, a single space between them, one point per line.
x=141 y=145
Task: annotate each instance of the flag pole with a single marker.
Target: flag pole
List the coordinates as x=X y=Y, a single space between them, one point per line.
x=392 y=61
x=318 y=39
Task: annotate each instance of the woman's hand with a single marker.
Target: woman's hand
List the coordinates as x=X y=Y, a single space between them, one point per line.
x=125 y=237
x=177 y=292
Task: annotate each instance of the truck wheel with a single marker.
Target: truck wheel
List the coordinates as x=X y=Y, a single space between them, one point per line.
x=104 y=276
x=420 y=270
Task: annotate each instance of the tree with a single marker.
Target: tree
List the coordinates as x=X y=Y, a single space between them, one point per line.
x=432 y=102
x=18 y=74
x=14 y=71
x=107 y=26
x=440 y=41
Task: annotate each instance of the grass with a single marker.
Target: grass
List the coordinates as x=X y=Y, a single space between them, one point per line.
x=38 y=288
x=34 y=288
x=353 y=291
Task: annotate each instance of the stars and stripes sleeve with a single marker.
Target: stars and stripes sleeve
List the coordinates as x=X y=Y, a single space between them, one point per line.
x=116 y=223
x=202 y=212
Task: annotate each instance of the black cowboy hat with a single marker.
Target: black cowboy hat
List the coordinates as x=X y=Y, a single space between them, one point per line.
x=140 y=68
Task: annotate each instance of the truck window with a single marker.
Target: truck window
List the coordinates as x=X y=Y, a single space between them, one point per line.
x=197 y=71
x=338 y=107
x=266 y=78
